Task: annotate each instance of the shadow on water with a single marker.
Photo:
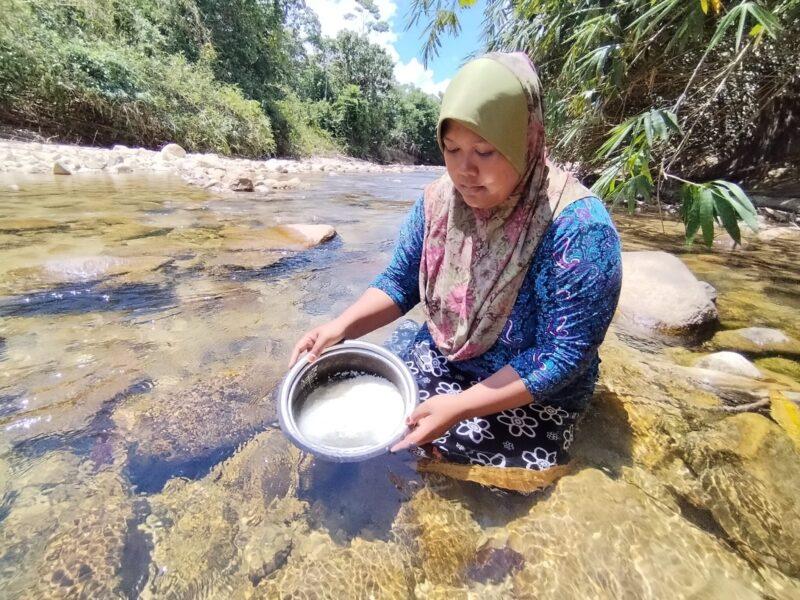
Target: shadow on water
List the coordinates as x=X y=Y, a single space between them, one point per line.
x=134 y=568
x=337 y=495
x=90 y=297
x=149 y=474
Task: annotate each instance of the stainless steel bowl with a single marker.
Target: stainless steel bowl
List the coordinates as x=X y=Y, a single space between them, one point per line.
x=339 y=362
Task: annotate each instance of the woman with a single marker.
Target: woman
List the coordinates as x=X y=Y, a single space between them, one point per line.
x=518 y=268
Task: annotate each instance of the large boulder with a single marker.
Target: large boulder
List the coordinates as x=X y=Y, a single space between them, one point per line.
x=756 y=341
x=660 y=295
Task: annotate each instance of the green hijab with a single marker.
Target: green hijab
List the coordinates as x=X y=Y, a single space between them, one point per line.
x=488 y=98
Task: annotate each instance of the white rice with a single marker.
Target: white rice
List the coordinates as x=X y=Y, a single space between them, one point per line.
x=359 y=411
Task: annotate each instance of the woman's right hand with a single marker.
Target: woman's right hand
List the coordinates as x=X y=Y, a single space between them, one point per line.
x=316 y=340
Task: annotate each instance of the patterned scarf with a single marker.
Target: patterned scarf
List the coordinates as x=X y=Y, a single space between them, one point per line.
x=474 y=261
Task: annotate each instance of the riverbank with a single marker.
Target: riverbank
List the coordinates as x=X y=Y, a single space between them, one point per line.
x=216 y=173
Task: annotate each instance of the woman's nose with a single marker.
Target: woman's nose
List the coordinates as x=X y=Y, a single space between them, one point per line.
x=467 y=166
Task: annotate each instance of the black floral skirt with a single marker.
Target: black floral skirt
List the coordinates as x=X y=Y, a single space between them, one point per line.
x=534 y=436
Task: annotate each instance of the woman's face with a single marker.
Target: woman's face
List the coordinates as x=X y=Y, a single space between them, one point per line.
x=483 y=176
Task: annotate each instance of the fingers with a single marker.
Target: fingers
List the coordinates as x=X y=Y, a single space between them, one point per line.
x=306 y=342
x=422 y=410
x=422 y=434
x=319 y=345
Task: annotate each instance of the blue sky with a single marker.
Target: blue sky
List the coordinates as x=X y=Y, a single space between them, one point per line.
x=405 y=47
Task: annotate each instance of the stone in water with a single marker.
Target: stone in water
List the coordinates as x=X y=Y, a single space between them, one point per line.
x=360 y=411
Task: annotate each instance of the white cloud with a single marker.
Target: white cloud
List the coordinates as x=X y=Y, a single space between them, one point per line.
x=338 y=15
x=415 y=73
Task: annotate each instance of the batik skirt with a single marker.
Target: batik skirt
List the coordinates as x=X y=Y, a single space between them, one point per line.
x=534 y=436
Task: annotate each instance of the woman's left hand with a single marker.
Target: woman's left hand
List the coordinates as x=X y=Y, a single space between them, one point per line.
x=431 y=420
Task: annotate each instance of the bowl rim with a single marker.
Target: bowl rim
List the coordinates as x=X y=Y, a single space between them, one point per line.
x=333 y=453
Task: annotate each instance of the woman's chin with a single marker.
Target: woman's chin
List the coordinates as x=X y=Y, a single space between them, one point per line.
x=477 y=198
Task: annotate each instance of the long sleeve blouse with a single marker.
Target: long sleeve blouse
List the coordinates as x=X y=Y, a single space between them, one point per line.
x=562 y=311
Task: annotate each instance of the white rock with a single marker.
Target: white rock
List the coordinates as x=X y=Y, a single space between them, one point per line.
x=730 y=362
x=173 y=151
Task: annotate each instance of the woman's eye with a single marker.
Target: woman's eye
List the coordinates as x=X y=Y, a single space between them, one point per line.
x=451 y=150
x=485 y=153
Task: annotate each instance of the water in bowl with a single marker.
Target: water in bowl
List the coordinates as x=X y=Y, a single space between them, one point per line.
x=359 y=411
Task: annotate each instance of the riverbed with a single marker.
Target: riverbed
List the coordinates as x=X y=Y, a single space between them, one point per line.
x=145 y=324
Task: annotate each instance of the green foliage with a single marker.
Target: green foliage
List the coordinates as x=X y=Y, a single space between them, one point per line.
x=67 y=77
x=718 y=201
x=635 y=87
x=297 y=127
x=245 y=77
x=415 y=118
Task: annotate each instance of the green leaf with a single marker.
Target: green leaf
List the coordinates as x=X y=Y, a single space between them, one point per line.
x=704 y=6
x=690 y=217
x=617 y=135
x=467 y=3
x=705 y=199
x=740 y=202
x=728 y=216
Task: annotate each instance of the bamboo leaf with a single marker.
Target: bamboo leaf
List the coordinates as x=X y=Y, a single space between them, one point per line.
x=739 y=201
x=704 y=6
x=728 y=216
x=706 y=208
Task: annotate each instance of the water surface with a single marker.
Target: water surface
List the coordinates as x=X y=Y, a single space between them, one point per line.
x=144 y=326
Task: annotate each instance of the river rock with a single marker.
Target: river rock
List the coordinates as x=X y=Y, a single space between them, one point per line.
x=172 y=151
x=26 y=225
x=240 y=522
x=314 y=234
x=60 y=168
x=563 y=536
x=730 y=362
x=734 y=389
x=779 y=233
x=722 y=468
x=184 y=429
x=285 y=184
x=756 y=341
x=242 y=184
x=660 y=295
x=783 y=366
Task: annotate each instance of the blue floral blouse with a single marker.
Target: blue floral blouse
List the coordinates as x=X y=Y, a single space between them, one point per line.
x=563 y=309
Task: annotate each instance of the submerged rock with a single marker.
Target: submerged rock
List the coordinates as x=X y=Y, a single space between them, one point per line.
x=60 y=168
x=226 y=532
x=596 y=537
x=783 y=366
x=756 y=341
x=733 y=388
x=730 y=362
x=660 y=295
x=186 y=429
